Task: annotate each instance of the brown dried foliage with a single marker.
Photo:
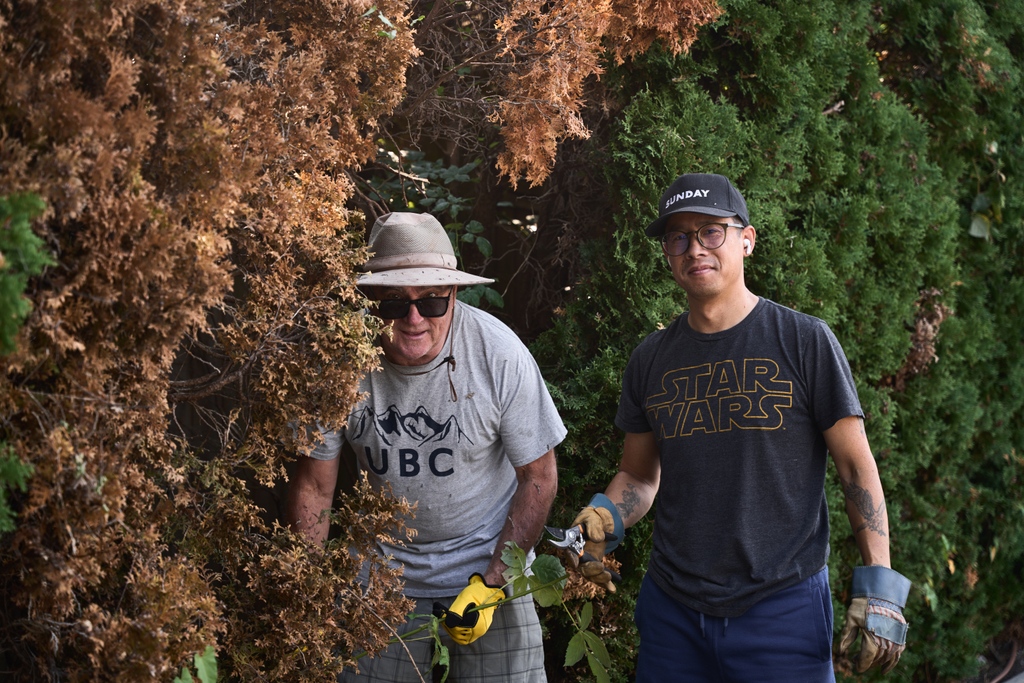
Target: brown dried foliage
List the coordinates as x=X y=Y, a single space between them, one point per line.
x=193 y=161
x=195 y=157
x=556 y=47
x=525 y=64
x=931 y=313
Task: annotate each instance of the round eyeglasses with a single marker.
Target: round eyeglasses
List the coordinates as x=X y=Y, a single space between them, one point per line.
x=395 y=309
x=709 y=236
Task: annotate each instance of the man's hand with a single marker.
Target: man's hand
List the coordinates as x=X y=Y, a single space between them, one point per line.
x=597 y=522
x=465 y=626
x=876 y=613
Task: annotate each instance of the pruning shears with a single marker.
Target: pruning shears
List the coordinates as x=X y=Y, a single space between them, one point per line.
x=573 y=540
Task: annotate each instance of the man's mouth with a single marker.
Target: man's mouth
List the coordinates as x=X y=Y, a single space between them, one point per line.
x=700 y=269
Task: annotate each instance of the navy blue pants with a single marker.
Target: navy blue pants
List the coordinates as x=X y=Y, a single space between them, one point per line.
x=786 y=637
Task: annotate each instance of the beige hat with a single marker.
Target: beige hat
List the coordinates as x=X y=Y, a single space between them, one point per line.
x=413 y=250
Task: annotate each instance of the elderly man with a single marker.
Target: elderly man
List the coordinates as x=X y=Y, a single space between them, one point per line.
x=730 y=413
x=458 y=420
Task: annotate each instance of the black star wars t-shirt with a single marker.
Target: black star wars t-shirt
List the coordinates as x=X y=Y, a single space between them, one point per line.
x=738 y=417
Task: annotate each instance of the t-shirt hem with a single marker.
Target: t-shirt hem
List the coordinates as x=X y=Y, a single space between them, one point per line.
x=732 y=610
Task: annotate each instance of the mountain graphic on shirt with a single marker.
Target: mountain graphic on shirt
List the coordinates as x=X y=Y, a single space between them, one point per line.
x=418 y=426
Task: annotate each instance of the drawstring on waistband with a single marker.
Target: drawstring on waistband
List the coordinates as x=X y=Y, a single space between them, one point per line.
x=703 y=633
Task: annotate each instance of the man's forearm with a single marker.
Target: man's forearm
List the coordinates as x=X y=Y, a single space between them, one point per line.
x=865 y=501
x=634 y=488
x=869 y=520
x=528 y=511
x=307 y=514
x=309 y=497
x=632 y=497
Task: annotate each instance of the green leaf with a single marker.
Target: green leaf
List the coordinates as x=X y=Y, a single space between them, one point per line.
x=206 y=665
x=586 y=615
x=493 y=297
x=549 y=595
x=515 y=558
x=475 y=227
x=185 y=676
x=547 y=569
x=484 y=245
x=441 y=658
x=599 y=671
x=521 y=585
x=576 y=650
x=469 y=296
x=597 y=646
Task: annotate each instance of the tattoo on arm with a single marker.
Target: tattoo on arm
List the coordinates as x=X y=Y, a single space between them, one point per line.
x=630 y=499
x=874 y=517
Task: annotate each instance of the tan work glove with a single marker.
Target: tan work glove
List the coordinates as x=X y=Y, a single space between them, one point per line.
x=600 y=520
x=464 y=626
x=876 y=613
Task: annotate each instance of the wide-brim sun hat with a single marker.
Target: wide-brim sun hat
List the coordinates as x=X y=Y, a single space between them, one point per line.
x=412 y=250
x=707 y=193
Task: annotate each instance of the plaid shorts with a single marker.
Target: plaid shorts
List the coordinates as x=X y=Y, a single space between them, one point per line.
x=511 y=650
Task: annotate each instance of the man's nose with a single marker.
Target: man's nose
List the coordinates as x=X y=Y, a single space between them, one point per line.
x=413 y=315
x=693 y=245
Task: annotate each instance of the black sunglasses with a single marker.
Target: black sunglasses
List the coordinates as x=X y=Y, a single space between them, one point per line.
x=395 y=309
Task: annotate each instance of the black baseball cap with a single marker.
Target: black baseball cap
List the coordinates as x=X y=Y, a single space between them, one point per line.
x=708 y=193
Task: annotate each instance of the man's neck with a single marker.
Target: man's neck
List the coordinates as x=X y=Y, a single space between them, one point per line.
x=716 y=314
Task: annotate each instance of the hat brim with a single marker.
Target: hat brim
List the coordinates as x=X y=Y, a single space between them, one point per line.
x=420 y=277
x=657 y=228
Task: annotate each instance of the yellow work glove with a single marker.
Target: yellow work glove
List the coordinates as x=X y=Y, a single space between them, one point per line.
x=465 y=626
x=600 y=520
x=876 y=614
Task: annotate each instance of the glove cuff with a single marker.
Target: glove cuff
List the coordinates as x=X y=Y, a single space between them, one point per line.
x=478 y=575
x=881 y=582
x=602 y=501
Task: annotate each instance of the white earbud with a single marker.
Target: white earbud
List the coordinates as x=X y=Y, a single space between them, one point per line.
x=747 y=247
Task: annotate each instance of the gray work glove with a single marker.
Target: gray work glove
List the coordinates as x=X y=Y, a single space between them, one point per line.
x=876 y=613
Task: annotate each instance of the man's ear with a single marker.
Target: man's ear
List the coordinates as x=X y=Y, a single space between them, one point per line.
x=750 y=233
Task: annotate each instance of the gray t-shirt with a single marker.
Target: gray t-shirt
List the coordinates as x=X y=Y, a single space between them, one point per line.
x=454 y=459
x=738 y=417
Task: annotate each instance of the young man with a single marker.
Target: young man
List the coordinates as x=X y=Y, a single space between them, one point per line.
x=729 y=415
x=458 y=420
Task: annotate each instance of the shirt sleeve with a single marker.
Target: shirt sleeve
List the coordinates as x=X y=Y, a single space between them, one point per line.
x=832 y=387
x=329 y=445
x=530 y=424
x=631 y=416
